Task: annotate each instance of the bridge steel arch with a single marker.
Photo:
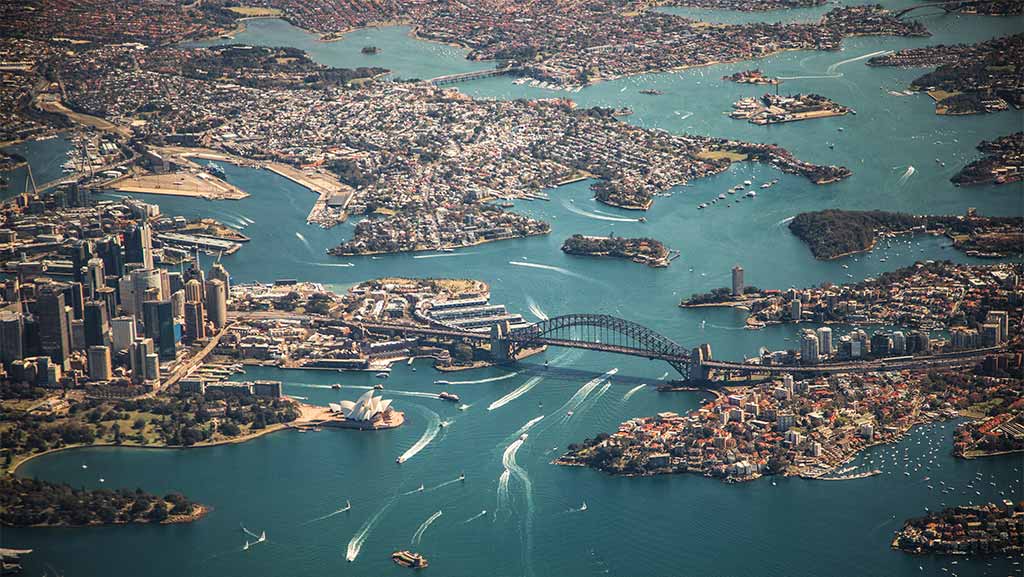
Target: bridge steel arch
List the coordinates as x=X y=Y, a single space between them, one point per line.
x=603 y=333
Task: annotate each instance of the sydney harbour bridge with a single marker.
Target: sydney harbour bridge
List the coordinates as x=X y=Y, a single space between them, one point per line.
x=609 y=334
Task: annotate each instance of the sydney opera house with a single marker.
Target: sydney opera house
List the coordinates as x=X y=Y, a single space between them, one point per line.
x=366 y=412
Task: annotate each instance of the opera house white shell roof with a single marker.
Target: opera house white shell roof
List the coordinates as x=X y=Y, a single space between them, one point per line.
x=365 y=408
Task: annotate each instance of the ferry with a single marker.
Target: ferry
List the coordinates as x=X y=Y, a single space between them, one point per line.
x=215 y=169
x=450 y=397
x=409 y=559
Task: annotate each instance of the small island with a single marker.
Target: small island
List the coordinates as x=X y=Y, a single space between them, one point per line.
x=833 y=233
x=754 y=76
x=639 y=250
x=776 y=109
x=990 y=529
x=1003 y=165
x=34 y=503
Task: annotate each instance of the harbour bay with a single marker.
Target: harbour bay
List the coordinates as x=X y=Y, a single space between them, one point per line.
x=280 y=482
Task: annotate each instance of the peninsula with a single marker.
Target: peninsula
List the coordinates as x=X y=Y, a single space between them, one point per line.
x=989 y=529
x=833 y=233
x=807 y=428
x=1004 y=163
x=970 y=78
x=34 y=503
x=640 y=250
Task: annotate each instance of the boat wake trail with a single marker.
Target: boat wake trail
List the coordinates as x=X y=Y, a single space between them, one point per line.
x=590 y=402
x=557 y=269
x=248 y=532
x=632 y=392
x=786 y=220
x=907 y=174
x=302 y=238
x=527 y=426
x=502 y=492
x=662 y=377
x=418 y=535
x=327 y=516
x=830 y=72
x=573 y=209
x=443 y=255
x=360 y=537
x=445 y=484
x=581 y=395
x=487 y=380
x=433 y=426
x=832 y=69
x=535 y=309
x=418 y=394
x=515 y=394
x=508 y=459
x=329 y=264
x=475 y=517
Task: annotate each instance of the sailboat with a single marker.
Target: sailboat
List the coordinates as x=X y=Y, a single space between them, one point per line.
x=263 y=537
x=246 y=548
x=348 y=505
x=583 y=507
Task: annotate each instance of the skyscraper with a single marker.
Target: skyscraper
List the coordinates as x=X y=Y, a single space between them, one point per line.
x=796 y=310
x=138 y=245
x=216 y=303
x=809 y=348
x=737 y=280
x=825 y=341
x=112 y=253
x=12 y=336
x=142 y=281
x=140 y=350
x=97 y=324
x=95 y=277
x=54 y=330
x=217 y=271
x=99 y=363
x=195 y=321
x=193 y=291
x=123 y=329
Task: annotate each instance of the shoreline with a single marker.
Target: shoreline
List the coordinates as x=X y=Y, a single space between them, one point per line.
x=198 y=512
x=16 y=464
x=433 y=248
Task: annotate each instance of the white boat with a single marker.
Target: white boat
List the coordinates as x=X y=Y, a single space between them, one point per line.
x=583 y=507
x=348 y=505
x=421 y=489
x=523 y=436
x=747 y=183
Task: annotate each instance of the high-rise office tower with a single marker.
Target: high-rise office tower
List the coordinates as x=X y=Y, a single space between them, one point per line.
x=100 y=368
x=12 y=336
x=97 y=323
x=195 y=321
x=54 y=330
x=216 y=303
x=123 y=329
x=737 y=280
x=95 y=276
x=217 y=271
x=138 y=245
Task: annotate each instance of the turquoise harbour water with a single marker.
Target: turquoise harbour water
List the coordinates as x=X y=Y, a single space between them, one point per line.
x=665 y=526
